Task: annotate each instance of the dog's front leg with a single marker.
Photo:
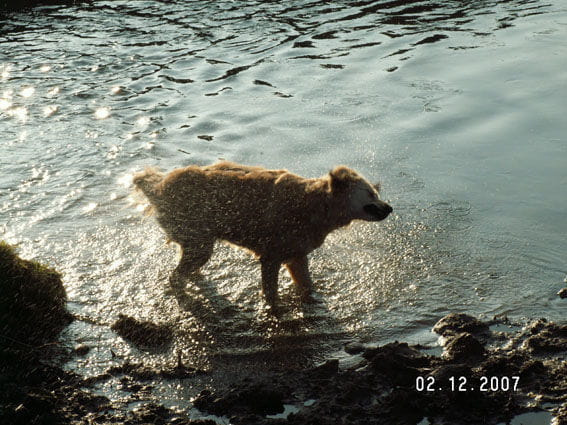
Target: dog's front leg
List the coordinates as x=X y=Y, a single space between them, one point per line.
x=194 y=255
x=270 y=270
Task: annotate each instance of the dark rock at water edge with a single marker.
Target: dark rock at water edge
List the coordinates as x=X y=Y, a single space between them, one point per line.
x=256 y=398
x=354 y=347
x=143 y=334
x=464 y=347
x=32 y=300
x=456 y=323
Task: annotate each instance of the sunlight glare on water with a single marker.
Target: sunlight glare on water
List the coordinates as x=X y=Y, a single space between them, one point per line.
x=102 y=113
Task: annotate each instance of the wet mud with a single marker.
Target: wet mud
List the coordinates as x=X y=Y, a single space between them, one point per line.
x=484 y=376
x=488 y=373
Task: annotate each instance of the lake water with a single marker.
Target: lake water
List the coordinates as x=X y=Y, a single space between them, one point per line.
x=458 y=108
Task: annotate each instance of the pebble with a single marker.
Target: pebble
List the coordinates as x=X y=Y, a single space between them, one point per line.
x=82 y=349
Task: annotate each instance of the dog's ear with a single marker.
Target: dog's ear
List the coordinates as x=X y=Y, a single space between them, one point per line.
x=341 y=178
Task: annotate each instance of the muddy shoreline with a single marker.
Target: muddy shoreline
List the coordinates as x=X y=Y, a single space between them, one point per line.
x=489 y=372
x=484 y=376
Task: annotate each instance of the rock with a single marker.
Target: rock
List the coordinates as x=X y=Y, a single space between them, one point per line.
x=562 y=293
x=32 y=299
x=546 y=337
x=561 y=415
x=455 y=323
x=445 y=372
x=397 y=361
x=464 y=348
x=325 y=370
x=259 y=398
x=141 y=333
x=396 y=350
x=82 y=350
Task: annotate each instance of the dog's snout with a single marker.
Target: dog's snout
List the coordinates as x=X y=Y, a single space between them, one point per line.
x=378 y=211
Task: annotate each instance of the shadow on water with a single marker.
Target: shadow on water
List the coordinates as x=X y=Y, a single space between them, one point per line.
x=16 y=5
x=231 y=334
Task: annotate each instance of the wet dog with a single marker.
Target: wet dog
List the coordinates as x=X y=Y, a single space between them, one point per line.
x=279 y=216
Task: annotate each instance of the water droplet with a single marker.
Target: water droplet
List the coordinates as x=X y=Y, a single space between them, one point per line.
x=126 y=180
x=143 y=121
x=5 y=71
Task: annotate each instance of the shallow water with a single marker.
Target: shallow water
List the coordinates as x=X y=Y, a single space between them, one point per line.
x=456 y=107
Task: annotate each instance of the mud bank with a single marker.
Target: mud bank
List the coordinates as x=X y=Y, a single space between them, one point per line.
x=489 y=372
x=483 y=377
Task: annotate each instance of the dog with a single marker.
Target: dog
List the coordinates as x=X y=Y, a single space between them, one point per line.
x=278 y=216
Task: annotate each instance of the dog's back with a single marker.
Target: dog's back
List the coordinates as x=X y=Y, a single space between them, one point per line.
x=223 y=201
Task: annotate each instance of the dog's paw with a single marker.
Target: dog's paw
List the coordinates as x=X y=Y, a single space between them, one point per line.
x=176 y=281
x=311 y=299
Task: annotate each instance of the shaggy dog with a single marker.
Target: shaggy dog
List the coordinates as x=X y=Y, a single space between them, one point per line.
x=279 y=216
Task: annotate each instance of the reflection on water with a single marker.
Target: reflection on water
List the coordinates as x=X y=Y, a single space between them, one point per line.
x=456 y=106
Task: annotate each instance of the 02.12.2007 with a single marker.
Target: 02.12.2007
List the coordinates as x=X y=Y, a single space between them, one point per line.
x=462 y=384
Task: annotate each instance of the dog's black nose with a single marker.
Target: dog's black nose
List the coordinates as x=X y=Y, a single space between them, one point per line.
x=378 y=211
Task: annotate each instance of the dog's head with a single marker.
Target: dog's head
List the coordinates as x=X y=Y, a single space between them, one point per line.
x=362 y=198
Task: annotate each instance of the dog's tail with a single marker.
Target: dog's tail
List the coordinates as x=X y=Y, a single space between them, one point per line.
x=147 y=182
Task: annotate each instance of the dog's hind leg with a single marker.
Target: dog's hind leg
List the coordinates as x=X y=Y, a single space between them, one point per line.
x=194 y=255
x=270 y=270
x=299 y=270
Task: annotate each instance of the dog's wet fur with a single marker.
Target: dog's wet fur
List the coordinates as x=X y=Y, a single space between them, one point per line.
x=279 y=216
